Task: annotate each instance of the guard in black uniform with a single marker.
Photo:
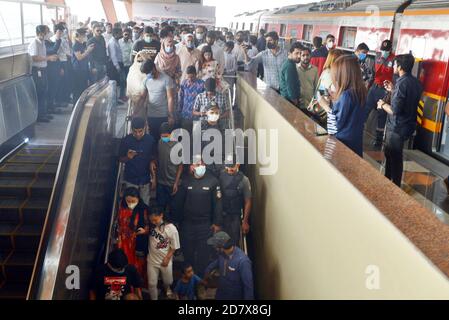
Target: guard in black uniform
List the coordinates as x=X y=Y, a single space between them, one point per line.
x=199 y=200
x=236 y=190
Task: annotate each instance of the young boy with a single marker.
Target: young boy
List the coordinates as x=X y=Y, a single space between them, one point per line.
x=187 y=287
x=164 y=241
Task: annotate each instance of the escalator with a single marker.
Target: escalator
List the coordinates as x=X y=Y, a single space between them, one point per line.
x=26 y=183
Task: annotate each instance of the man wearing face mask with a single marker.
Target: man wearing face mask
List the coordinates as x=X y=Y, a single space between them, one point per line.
x=237 y=198
x=198 y=202
x=272 y=59
x=366 y=64
x=137 y=152
x=55 y=69
x=147 y=44
x=200 y=35
x=137 y=33
x=239 y=50
x=189 y=56
x=204 y=99
x=98 y=58
x=126 y=46
x=383 y=72
x=236 y=276
x=330 y=42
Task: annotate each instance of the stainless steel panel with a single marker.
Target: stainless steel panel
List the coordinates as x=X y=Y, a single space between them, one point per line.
x=78 y=218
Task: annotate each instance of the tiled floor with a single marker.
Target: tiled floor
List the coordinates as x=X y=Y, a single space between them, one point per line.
x=419 y=180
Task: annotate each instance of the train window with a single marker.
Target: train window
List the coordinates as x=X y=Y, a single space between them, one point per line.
x=307 y=33
x=237 y=26
x=11 y=29
x=232 y=24
x=418 y=47
x=348 y=37
x=243 y=26
x=31 y=19
x=294 y=34
x=266 y=27
x=251 y=27
x=283 y=29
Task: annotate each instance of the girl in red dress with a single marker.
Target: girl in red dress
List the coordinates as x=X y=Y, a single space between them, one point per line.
x=133 y=229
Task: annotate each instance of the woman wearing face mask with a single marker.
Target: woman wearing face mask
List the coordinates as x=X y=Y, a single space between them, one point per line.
x=133 y=229
x=168 y=61
x=80 y=63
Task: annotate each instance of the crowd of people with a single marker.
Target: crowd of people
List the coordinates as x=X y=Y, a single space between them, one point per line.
x=175 y=75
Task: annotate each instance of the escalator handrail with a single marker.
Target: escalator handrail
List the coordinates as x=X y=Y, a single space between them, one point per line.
x=117 y=194
x=66 y=155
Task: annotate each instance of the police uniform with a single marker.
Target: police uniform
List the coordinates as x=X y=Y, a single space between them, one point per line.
x=199 y=201
x=383 y=72
x=235 y=189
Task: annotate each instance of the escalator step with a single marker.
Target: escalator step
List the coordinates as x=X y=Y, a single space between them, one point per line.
x=28 y=170
x=17 y=187
x=26 y=243
x=14 y=291
x=21 y=259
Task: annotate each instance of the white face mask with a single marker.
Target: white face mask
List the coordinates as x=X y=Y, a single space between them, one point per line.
x=330 y=44
x=213 y=117
x=132 y=206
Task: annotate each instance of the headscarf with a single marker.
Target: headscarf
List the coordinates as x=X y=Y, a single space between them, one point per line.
x=167 y=62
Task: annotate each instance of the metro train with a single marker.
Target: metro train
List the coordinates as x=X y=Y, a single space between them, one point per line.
x=420 y=27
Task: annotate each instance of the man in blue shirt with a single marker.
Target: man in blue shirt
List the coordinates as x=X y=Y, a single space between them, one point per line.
x=137 y=151
x=236 y=275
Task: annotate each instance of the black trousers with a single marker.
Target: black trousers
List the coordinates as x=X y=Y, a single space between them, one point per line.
x=41 y=83
x=54 y=83
x=80 y=83
x=194 y=244
x=394 y=146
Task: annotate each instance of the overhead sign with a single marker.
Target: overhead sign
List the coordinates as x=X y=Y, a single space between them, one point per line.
x=183 y=13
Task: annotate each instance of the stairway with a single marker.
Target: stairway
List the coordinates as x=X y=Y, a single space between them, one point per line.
x=26 y=184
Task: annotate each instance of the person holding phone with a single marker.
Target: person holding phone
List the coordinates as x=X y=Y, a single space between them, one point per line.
x=133 y=229
x=80 y=63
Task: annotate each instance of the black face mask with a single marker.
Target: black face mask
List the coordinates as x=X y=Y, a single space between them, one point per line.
x=271 y=45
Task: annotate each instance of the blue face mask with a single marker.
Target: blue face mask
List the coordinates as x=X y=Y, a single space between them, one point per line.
x=362 y=56
x=385 y=54
x=165 y=139
x=169 y=50
x=200 y=171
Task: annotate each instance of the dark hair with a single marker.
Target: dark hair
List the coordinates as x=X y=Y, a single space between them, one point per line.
x=138 y=123
x=41 y=29
x=240 y=32
x=59 y=27
x=211 y=34
x=229 y=34
x=273 y=35
x=148 y=30
x=128 y=30
x=97 y=25
x=229 y=244
x=117 y=259
x=362 y=46
x=406 y=62
x=191 y=70
x=207 y=49
x=253 y=40
x=303 y=48
x=262 y=31
x=131 y=192
x=164 y=33
x=147 y=67
x=210 y=85
x=296 y=45
x=230 y=44
x=141 y=207
x=330 y=36
x=185 y=266
x=116 y=31
x=317 y=42
x=156 y=210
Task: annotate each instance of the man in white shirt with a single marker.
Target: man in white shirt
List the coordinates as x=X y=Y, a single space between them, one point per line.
x=230 y=68
x=64 y=54
x=163 y=242
x=126 y=45
x=116 y=68
x=217 y=51
x=108 y=34
x=39 y=58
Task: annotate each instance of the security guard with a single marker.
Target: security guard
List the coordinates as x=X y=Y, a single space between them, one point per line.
x=236 y=190
x=383 y=72
x=199 y=200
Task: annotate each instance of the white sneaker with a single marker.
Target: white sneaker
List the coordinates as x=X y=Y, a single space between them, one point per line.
x=170 y=294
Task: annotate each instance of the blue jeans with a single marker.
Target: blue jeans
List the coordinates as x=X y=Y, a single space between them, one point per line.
x=376 y=93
